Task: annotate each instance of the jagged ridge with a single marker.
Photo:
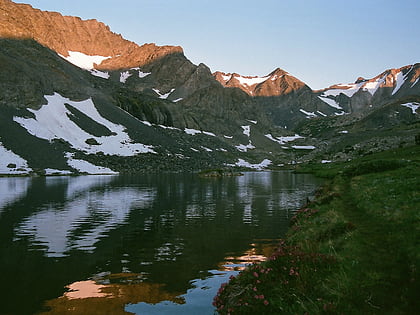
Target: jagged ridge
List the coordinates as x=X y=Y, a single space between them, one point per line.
x=277 y=83
x=68 y=33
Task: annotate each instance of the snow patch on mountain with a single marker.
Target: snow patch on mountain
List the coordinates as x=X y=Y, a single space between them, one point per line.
x=400 y=81
x=51 y=171
x=245 y=147
x=145 y=122
x=206 y=149
x=413 y=106
x=142 y=74
x=264 y=164
x=11 y=163
x=246 y=130
x=162 y=95
x=100 y=74
x=350 y=89
x=52 y=121
x=330 y=102
x=340 y=113
x=192 y=132
x=211 y=134
x=373 y=86
x=303 y=147
x=308 y=114
x=124 y=76
x=284 y=139
x=84 y=61
x=87 y=167
x=168 y=127
x=226 y=77
x=249 y=81
x=128 y=73
x=346 y=89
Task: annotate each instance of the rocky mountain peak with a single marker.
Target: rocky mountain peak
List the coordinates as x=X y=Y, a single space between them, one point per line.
x=22 y=21
x=360 y=80
x=277 y=83
x=278 y=72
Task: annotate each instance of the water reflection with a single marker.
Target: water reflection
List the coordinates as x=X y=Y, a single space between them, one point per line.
x=12 y=189
x=93 y=297
x=137 y=243
x=82 y=218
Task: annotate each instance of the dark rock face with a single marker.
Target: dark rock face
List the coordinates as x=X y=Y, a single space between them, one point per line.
x=29 y=71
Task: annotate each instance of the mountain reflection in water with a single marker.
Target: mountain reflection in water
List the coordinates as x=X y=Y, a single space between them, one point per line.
x=149 y=244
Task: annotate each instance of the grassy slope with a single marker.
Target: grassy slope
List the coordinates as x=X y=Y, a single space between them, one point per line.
x=355 y=250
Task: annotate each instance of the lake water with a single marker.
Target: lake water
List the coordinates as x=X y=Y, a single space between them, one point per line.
x=143 y=244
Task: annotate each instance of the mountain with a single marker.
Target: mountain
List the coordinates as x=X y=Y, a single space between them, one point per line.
x=363 y=94
x=90 y=37
x=77 y=98
x=277 y=83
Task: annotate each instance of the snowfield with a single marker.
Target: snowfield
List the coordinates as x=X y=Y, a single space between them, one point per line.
x=87 y=167
x=265 y=163
x=84 y=61
x=7 y=157
x=52 y=121
x=249 y=81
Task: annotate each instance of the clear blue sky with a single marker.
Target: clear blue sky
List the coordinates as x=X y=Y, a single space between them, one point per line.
x=322 y=42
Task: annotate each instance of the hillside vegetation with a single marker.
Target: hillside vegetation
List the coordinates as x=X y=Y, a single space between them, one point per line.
x=354 y=250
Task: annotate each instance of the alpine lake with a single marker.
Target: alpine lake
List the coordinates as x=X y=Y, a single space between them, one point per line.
x=137 y=244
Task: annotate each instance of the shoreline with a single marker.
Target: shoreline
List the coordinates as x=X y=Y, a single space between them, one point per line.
x=351 y=250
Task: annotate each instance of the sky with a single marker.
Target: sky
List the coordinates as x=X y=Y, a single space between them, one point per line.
x=321 y=42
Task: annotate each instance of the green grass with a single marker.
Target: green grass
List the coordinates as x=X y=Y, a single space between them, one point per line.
x=390 y=159
x=354 y=250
